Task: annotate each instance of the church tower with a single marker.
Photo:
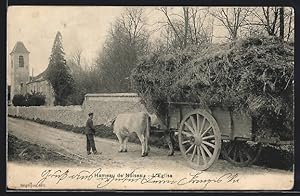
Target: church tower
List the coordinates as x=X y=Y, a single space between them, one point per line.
x=19 y=69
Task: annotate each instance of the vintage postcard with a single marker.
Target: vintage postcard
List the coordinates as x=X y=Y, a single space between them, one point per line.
x=150 y=98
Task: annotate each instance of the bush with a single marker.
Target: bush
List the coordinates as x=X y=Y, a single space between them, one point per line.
x=35 y=99
x=19 y=100
x=30 y=99
x=254 y=75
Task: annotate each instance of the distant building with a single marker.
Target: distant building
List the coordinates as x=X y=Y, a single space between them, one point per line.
x=21 y=82
x=40 y=84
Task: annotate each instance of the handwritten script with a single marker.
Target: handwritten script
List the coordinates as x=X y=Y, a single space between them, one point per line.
x=102 y=179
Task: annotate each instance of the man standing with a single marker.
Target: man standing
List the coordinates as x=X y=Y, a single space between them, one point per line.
x=90 y=132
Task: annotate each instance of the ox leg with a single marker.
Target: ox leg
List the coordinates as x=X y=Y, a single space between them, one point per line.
x=169 y=140
x=142 y=139
x=125 y=144
x=146 y=146
x=120 y=142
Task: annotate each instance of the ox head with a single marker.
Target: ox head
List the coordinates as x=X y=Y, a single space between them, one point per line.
x=110 y=123
x=156 y=122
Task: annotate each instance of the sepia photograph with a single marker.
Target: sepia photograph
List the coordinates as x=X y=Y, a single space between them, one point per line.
x=167 y=98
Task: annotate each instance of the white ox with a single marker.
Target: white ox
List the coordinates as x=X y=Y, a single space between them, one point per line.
x=128 y=123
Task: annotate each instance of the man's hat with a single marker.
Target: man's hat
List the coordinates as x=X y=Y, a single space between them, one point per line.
x=91 y=113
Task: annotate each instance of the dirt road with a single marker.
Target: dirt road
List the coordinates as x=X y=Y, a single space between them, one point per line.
x=72 y=144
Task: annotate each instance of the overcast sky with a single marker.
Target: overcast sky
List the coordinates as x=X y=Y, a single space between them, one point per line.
x=84 y=27
x=36 y=27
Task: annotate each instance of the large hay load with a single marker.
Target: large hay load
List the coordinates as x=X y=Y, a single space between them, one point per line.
x=254 y=75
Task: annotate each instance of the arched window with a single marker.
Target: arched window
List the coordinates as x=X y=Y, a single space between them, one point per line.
x=21 y=61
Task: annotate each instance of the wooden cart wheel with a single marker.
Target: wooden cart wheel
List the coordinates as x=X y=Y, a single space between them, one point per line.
x=199 y=139
x=241 y=153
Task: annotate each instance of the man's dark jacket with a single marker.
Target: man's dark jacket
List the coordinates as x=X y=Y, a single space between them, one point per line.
x=89 y=127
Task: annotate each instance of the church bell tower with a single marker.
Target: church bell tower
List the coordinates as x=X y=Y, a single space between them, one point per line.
x=19 y=69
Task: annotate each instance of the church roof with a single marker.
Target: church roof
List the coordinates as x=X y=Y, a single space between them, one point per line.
x=40 y=77
x=19 y=48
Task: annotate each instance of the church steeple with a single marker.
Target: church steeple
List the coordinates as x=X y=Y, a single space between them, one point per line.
x=19 y=69
x=19 y=48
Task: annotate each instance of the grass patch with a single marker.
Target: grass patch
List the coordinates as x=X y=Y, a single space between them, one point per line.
x=23 y=151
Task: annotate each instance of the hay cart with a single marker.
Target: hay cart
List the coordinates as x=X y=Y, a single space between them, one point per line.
x=202 y=132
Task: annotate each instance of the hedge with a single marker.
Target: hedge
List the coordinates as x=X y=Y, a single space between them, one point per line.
x=29 y=99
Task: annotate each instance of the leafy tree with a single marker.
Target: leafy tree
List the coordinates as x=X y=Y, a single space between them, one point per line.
x=58 y=73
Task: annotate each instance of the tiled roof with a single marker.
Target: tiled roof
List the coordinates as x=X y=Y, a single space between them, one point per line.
x=19 y=48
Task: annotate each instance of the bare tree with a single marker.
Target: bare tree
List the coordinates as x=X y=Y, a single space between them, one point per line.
x=77 y=56
x=74 y=61
x=281 y=23
x=233 y=19
x=132 y=22
x=276 y=21
x=201 y=26
x=171 y=26
x=289 y=24
x=126 y=42
x=269 y=17
x=186 y=27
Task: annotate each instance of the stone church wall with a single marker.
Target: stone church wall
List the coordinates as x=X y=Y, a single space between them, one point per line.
x=104 y=106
